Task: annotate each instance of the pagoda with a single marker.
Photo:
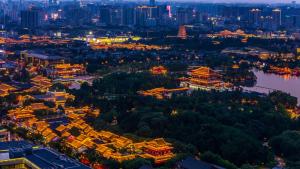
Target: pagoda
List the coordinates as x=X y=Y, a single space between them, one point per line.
x=204 y=78
x=182 y=32
x=67 y=70
x=158 y=70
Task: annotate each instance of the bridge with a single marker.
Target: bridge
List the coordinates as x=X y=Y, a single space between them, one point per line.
x=259 y=89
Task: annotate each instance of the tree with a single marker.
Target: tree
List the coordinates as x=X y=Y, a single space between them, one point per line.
x=135 y=163
x=50 y=104
x=287 y=145
x=75 y=131
x=41 y=114
x=216 y=159
x=278 y=97
x=58 y=87
x=22 y=76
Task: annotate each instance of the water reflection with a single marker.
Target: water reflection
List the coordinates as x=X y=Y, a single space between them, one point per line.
x=267 y=82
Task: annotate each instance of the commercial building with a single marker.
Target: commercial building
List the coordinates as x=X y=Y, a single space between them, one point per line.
x=31 y=18
x=38 y=59
x=255 y=17
x=22 y=154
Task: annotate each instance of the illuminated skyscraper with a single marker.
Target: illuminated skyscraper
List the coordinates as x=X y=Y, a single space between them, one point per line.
x=184 y=16
x=53 y=2
x=152 y=2
x=30 y=18
x=145 y=15
x=105 y=15
x=276 y=15
x=116 y=14
x=255 y=17
x=128 y=16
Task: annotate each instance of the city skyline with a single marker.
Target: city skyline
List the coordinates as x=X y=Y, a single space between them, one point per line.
x=239 y=1
x=242 y=1
x=210 y=1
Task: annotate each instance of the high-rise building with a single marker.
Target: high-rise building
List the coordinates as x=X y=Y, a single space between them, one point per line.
x=116 y=15
x=128 y=16
x=105 y=14
x=146 y=15
x=184 y=16
x=267 y=22
x=13 y=11
x=21 y=4
x=276 y=15
x=296 y=21
x=163 y=14
x=53 y=2
x=255 y=17
x=77 y=16
x=152 y=2
x=30 y=18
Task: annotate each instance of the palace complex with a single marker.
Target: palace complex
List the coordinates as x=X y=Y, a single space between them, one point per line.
x=66 y=70
x=60 y=122
x=107 y=144
x=129 y=46
x=204 y=78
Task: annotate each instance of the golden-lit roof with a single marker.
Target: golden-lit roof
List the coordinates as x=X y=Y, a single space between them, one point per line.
x=61 y=128
x=204 y=72
x=158 y=70
x=158 y=144
x=159 y=92
x=66 y=134
x=101 y=148
x=88 y=143
x=75 y=144
x=38 y=106
x=50 y=137
x=81 y=137
x=5 y=87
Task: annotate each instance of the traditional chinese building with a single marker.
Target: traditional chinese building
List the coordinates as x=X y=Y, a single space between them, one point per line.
x=59 y=98
x=204 y=78
x=4 y=135
x=40 y=83
x=66 y=70
x=5 y=89
x=157 y=149
x=182 y=32
x=158 y=70
x=162 y=92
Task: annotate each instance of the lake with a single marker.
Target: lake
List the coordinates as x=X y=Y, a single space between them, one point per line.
x=267 y=82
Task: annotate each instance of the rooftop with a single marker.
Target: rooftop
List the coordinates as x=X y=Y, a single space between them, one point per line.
x=43 y=56
x=41 y=157
x=191 y=163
